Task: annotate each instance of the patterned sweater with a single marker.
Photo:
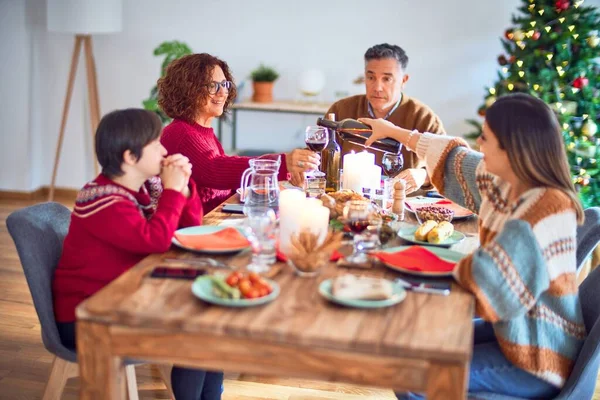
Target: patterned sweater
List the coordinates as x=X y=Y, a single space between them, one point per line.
x=216 y=174
x=112 y=229
x=524 y=274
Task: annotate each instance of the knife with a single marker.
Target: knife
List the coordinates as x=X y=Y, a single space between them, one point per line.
x=431 y=288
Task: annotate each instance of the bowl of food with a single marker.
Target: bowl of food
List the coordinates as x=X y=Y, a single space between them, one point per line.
x=434 y=213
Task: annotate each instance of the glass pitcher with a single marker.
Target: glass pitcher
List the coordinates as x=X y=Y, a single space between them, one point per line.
x=259 y=184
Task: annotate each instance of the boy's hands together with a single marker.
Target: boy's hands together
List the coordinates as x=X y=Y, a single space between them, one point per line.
x=176 y=172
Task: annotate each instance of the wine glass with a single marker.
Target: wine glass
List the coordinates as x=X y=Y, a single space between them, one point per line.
x=392 y=164
x=316 y=138
x=357 y=218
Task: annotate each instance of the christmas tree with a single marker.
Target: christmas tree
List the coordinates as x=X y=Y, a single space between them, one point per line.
x=552 y=52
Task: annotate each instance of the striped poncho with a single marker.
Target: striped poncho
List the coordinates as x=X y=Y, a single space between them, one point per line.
x=524 y=274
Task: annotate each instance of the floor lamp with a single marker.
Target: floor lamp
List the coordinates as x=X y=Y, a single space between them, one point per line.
x=82 y=18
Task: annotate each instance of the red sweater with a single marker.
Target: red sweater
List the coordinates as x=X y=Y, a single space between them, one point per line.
x=216 y=174
x=112 y=229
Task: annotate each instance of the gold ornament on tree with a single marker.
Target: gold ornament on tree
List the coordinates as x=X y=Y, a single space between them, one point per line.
x=489 y=101
x=590 y=128
x=593 y=41
x=518 y=35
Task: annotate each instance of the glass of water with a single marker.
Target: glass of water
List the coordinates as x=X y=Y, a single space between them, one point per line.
x=261 y=229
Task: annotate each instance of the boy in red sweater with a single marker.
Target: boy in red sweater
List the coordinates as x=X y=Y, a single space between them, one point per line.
x=129 y=211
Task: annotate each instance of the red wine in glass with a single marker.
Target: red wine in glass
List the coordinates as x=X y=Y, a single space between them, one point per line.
x=316 y=145
x=316 y=138
x=359 y=225
x=392 y=164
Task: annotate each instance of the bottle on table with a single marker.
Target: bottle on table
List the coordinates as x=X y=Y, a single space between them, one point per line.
x=330 y=160
x=356 y=132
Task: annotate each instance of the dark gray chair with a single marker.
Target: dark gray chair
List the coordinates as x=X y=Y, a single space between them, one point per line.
x=588 y=235
x=582 y=381
x=38 y=232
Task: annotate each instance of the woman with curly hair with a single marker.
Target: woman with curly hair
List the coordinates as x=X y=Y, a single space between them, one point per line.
x=195 y=89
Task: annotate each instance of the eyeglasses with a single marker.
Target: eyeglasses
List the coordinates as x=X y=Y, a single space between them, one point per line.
x=214 y=87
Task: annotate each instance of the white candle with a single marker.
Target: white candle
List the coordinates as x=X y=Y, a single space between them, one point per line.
x=315 y=218
x=290 y=202
x=360 y=171
x=374 y=173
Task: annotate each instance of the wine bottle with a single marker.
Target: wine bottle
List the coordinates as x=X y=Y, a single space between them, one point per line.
x=330 y=161
x=356 y=132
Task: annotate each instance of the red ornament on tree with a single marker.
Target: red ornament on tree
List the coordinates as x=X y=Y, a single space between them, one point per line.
x=581 y=82
x=561 y=5
x=536 y=35
x=502 y=60
x=509 y=34
x=512 y=59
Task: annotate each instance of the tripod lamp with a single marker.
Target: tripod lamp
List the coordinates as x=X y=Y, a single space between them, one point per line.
x=82 y=18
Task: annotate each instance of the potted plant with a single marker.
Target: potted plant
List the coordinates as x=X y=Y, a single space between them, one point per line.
x=172 y=51
x=263 y=79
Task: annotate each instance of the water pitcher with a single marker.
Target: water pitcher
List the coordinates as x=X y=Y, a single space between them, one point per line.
x=259 y=184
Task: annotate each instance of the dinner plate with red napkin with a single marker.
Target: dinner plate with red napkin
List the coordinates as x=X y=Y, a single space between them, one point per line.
x=412 y=203
x=211 y=239
x=419 y=260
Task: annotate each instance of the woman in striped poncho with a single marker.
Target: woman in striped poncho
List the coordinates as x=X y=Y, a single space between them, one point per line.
x=523 y=276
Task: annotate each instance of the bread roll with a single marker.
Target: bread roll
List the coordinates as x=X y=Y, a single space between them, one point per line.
x=351 y=287
x=440 y=233
x=423 y=230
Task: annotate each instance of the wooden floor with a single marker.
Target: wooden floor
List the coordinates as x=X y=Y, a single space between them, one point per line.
x=25 y=364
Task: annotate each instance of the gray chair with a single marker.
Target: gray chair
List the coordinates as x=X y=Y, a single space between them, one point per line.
x=588 y=235
x=38 y=232
x=582 y=381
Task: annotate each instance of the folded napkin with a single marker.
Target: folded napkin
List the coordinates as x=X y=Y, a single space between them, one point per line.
x=336 y=255
x=416 y=258
x=458 y=210
x=225 y=239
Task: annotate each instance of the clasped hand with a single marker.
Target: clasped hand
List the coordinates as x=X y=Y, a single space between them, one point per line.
x=176 y=172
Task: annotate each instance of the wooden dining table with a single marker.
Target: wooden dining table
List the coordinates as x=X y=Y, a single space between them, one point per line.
x=422 y=344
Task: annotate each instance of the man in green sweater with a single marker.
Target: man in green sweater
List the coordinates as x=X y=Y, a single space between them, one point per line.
x=385 y=78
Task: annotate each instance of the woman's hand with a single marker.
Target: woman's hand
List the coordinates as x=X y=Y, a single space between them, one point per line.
x=300 y=160
x=381 y=129
x=414 y=177
x=297 y=179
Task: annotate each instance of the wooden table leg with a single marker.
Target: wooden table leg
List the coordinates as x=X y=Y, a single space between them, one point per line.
x=447 y=381
x=102 y=375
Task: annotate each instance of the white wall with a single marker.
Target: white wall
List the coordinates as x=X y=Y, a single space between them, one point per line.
x=452 y=47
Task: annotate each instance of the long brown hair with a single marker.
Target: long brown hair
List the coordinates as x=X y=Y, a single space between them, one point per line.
x=183 y=90
x=530 y=133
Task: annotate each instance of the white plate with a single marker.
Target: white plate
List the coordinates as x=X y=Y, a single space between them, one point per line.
x=205 y=230
x=398 y=295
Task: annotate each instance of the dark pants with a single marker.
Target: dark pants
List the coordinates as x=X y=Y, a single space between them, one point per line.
x=188 y=384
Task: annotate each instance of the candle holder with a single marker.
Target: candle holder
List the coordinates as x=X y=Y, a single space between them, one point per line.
x=308 y=257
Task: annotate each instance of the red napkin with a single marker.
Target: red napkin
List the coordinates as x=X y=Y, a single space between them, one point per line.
x=336 y=255
x=225 y=239
x=416 y=258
